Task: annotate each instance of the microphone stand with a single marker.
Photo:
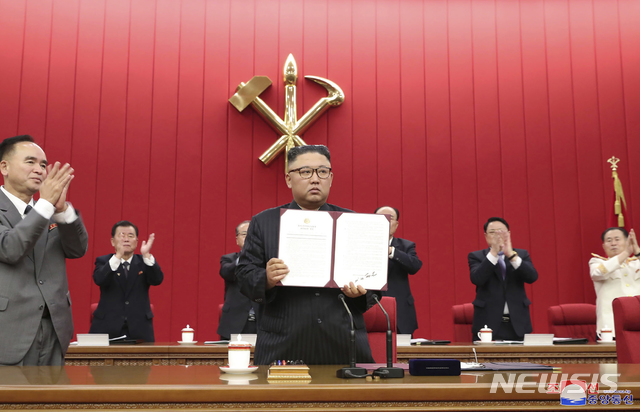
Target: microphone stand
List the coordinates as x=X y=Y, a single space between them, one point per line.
x=390 y=371
x=351 y=371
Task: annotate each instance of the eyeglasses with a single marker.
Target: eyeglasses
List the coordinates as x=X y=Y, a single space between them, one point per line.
x=306 y=172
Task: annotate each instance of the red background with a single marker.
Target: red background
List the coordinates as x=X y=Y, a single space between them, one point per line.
x=455 y=111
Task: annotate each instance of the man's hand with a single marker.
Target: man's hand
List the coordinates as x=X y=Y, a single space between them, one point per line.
x=119 y=250
x=506 y=241
x=497 y=243
x=633 y=243
x=62 y=205
x=276 y=271
x=55 y=186
x=352 y=291
x=145 y=249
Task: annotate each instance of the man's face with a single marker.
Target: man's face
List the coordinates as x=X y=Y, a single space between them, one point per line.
x=494 y=230
x=313 y=192
x=24 y=169
x=241 y=234
x=393 y=224
x=614 y=242
x=125 y=240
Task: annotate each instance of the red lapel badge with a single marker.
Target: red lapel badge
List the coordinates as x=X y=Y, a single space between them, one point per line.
x=139 y=273
x=52 y=226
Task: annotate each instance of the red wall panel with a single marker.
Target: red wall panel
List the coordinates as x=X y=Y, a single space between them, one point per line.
x=455 y=111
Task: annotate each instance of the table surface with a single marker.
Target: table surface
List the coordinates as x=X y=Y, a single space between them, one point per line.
x=206 y=387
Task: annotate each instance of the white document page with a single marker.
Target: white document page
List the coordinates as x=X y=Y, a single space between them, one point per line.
x=362 y=250
x=305 y=247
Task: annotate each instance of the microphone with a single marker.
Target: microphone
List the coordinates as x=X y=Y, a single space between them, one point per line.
x=390 y=371
x=351 y=371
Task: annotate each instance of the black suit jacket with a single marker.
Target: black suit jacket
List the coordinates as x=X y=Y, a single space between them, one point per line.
x=405 y=262
x=125 y=298
x=235 y=310
x=492 y=292
x=296 y=323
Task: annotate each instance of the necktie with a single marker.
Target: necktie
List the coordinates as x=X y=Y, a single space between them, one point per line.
x=125 y=265
x=503 y=266
x=27 y=209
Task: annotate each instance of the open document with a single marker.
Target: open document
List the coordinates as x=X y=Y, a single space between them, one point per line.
x=331 y=249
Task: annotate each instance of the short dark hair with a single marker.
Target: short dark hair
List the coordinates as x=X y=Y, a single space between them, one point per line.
x=123 y=223
x=623 y=230
x=7 y=145
x=241 y=223
x=495 y=219
x=396 y=210
x=311 y=148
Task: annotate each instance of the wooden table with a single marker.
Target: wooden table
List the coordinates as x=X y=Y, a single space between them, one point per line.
x=175 y=354
x=200 y=387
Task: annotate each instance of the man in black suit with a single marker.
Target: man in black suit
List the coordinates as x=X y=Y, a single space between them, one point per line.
x=499 y=274
x=403 y=261
x=299 y=323
x=124 y=279
x=238 y=311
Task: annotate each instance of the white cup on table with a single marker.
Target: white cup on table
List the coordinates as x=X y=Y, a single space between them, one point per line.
x=485 y=334
x=605 y=334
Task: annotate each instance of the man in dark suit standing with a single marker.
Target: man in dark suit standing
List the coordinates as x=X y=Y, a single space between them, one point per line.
x=36 y=324
x=499 y=274
x=403 y=261
x=238 y=311
x=124 y=279
x=299 y=323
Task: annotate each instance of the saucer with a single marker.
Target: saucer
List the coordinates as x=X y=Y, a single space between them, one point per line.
x=238 y=371
x=479 y=342
x=187 y=343
x=238 y=379
x=599 y=341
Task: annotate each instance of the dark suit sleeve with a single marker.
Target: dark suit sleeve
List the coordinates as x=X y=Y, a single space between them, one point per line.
x=153 y=274
x=228 y=268
x=526 y=272
x=251 y=272
x=408 y=259
x=480 y=268
x=102 y=273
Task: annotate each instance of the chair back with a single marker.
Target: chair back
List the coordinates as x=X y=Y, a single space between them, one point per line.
x=463 y=322
x=376 y=324
x=573 y=320
x=626 y=317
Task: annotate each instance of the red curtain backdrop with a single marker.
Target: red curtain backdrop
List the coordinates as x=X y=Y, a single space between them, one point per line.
x=455 y=111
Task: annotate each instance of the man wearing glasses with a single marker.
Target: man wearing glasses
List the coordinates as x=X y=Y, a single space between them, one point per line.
x=238 y=311
x=499 y=274
x=299 y=323
x=403 y=261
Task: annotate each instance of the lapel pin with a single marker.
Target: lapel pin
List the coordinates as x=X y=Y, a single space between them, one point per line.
x=118 y=274
x=53 y=226
x=139 y=273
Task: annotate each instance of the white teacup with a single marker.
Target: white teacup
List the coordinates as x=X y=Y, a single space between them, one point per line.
x=605 y=334
x=187 y=334
x=485 y=334
x=239 y=354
